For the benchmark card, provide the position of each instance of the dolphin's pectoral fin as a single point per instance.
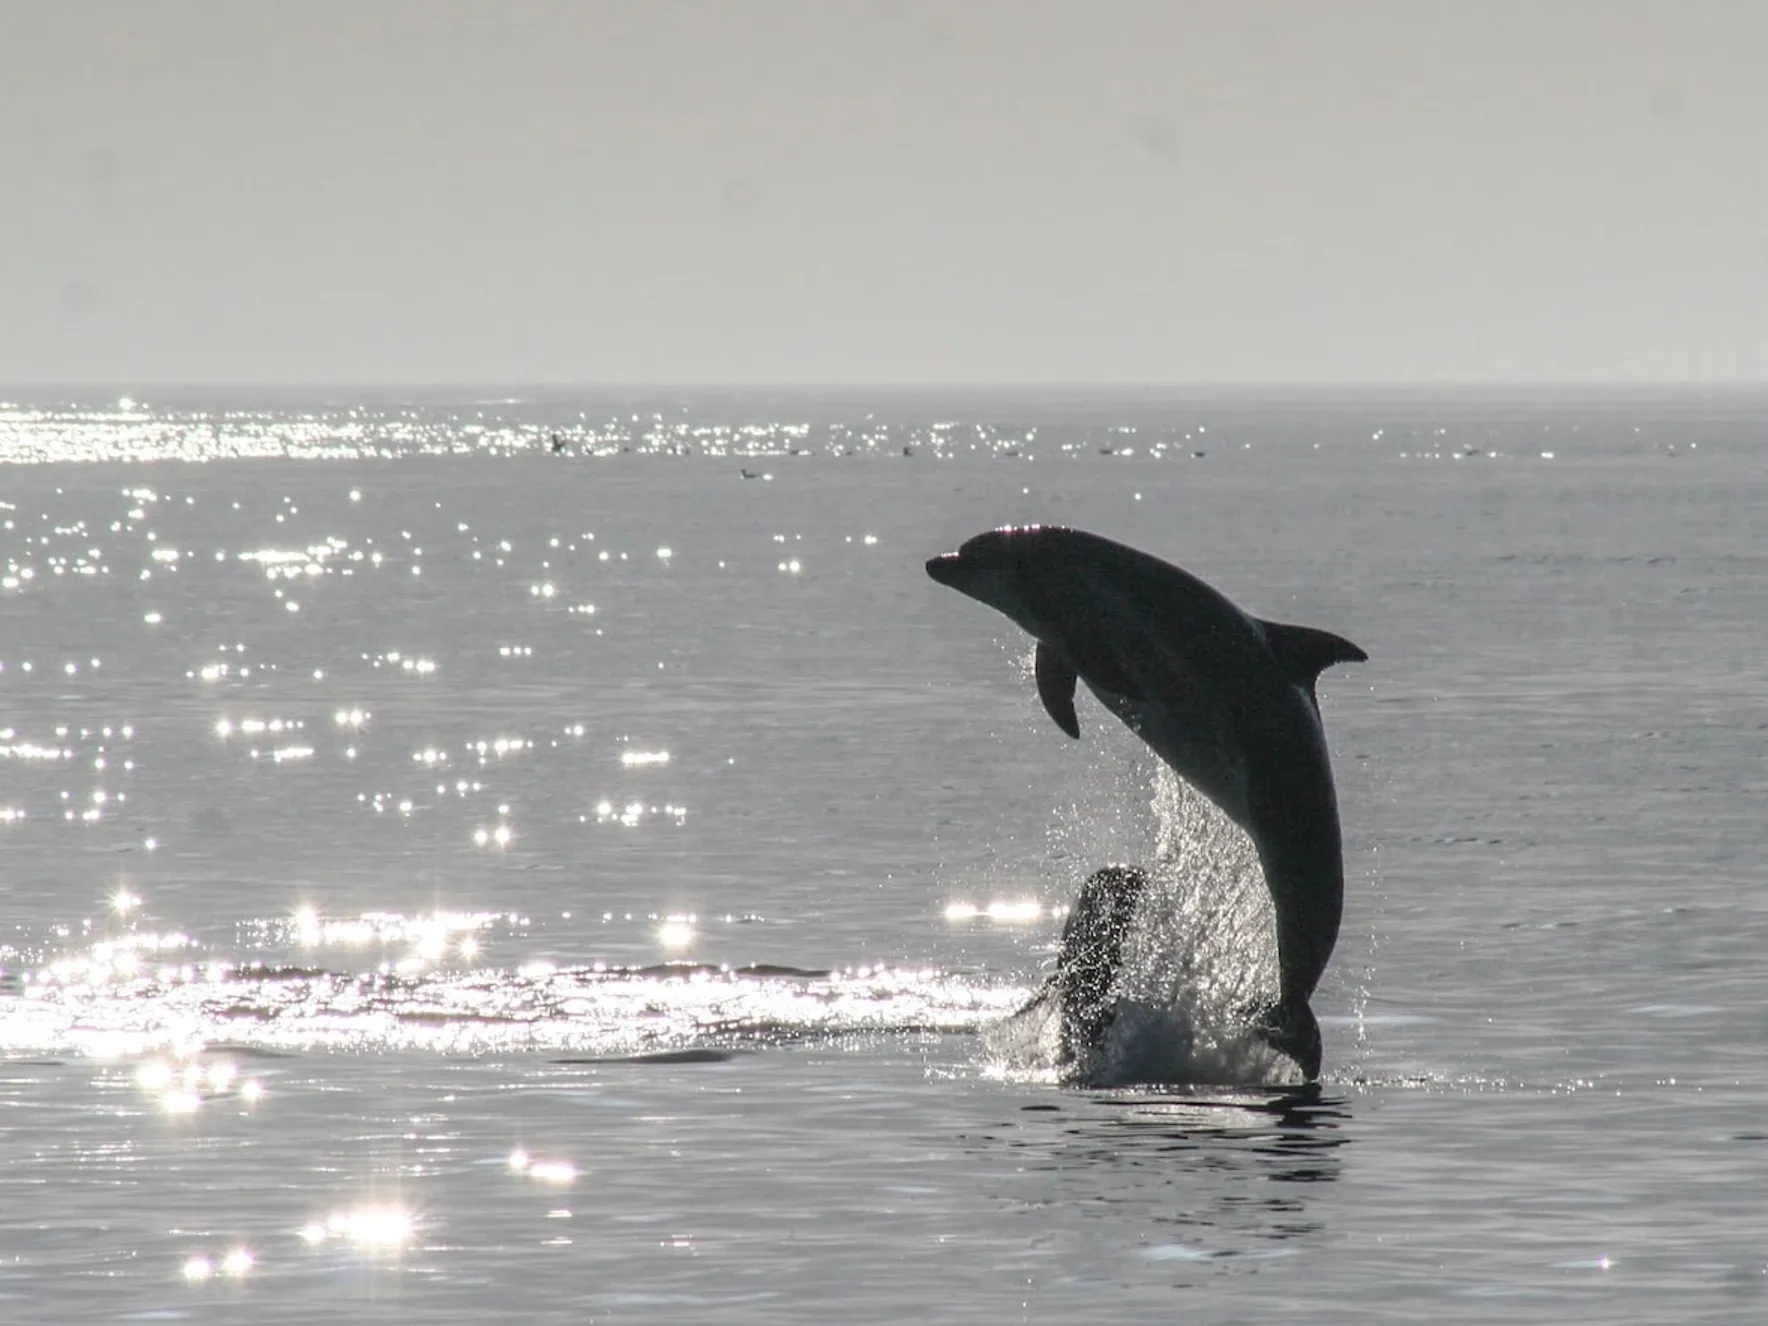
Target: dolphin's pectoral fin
(1055, 687)
(1304, 651)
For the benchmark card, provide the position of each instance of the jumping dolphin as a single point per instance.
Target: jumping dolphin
(1224, 698)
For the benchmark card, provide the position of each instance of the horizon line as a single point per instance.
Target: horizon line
(1236, 385)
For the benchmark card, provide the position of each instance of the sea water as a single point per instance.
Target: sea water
(556, 857)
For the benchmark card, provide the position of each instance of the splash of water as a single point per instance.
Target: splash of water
(1202, 951)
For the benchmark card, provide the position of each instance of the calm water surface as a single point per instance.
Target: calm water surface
(361, 762)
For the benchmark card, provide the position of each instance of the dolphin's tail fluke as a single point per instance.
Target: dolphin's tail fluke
(1290, 1028)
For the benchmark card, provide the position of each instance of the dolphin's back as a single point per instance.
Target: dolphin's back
(1139, 626)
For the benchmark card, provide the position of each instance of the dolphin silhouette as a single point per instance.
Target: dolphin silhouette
(1227, 700)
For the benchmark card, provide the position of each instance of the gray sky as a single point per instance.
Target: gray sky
(883, 191)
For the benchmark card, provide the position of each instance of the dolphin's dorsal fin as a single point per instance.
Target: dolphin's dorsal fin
(1302, 651)
(1055, 687)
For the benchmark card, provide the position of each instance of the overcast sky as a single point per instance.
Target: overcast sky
(883, 191)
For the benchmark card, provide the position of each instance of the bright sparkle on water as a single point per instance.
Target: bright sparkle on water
(367, 1228)
(545, 1171)
(1009, 911)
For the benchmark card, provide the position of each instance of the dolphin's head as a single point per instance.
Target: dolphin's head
(994, 568)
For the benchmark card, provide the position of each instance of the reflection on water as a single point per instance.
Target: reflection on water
(368, 1228)
(120, 998)
(235, 1262)
(545, 1171)
(1198, 1165)
(1299, 1125)
(196, 1074)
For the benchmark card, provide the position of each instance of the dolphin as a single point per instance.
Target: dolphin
(1087, 959)
(1227, 700)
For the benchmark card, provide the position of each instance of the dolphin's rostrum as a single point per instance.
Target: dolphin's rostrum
(1224, 698)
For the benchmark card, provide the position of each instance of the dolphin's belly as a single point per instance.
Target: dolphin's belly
(1189, 736)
